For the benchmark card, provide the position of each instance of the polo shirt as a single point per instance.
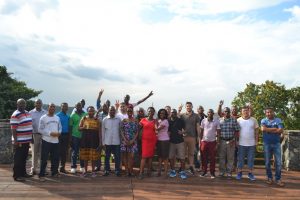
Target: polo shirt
(271, 138)
(22, 123)
(64, 119)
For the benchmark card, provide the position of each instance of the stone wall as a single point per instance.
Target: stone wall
(6, 151)
(291, 150)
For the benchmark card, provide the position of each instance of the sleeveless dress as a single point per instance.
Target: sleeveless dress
(148, 138)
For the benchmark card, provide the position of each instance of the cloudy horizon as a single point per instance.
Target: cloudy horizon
(194, 50)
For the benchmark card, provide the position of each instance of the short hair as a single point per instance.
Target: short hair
(211, 110)
(161, 110)
(269, 108)
(188, 102)
(245, 107)
(64, 103)
(90, 108)
(151, 108)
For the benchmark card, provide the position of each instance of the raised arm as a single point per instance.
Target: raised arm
(220, 107)
(98, 102)
(144, 99)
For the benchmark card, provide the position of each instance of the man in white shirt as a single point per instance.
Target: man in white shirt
(111, 140)
(248, 139)
(36, 115)
(50, 128)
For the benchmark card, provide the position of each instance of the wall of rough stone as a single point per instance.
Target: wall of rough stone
(291, 150)
(6, 151)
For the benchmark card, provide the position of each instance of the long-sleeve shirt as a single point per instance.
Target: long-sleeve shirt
(36, 116)
(111, 131)
(47, 125)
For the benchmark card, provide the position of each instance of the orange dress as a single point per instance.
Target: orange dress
(149, 138)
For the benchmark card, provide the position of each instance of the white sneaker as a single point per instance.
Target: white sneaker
(82, 170)
(73, 170)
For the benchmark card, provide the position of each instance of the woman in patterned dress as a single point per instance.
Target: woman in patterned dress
(90, 141)
(129, 133)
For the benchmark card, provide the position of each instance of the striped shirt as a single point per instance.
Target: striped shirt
(22, 123)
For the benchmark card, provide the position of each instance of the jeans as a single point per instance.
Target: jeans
(75, 151)
(269, 151)
(63, 149)
(53, 149)
(112, 149)
(248, 151)
(20, 156)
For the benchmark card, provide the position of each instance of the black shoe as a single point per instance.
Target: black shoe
(97, 169)
(118, 174)
(27, 176)
(62, 170)
(106, 173)
(19, 179)
(203, 174)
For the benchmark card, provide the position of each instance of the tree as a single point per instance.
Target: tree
(11, 90)
(271, 94)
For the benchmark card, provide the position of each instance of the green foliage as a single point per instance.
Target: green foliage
(10, 91)
(271, 94)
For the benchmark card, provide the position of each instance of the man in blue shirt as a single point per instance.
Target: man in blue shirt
(64, 137)
(272, 128)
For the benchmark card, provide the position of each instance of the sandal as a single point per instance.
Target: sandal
(280, 183)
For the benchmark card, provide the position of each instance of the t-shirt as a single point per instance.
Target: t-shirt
(190, 122)
(210, 129)
(74, 122)
(22, 122)
(162, 134)
(174, 126)
(271, 138)
(247, 131)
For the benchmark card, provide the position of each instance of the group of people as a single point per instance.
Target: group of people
(173, 136)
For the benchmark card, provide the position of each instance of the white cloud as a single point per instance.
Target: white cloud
(215, 59)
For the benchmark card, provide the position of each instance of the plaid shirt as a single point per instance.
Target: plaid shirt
(228, 127)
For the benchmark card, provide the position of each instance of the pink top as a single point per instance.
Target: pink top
(210, 129)
(162, 134)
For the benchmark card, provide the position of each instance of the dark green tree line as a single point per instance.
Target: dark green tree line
(11, 90)
(271, 94)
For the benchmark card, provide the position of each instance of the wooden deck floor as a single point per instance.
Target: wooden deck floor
(72, 186)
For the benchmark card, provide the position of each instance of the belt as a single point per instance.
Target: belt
(227, 139)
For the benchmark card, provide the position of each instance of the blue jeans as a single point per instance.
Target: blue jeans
(248, 151)
(269, 151)
(75, 151)
(112, 149)
(53, 150)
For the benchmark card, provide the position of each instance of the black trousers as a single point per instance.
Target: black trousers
(20, 157)
(53, 150)
(63, 149)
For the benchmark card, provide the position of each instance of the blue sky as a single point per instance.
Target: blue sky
(193, 50)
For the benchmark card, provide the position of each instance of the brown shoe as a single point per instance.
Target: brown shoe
(280, 183)
(269, 181)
